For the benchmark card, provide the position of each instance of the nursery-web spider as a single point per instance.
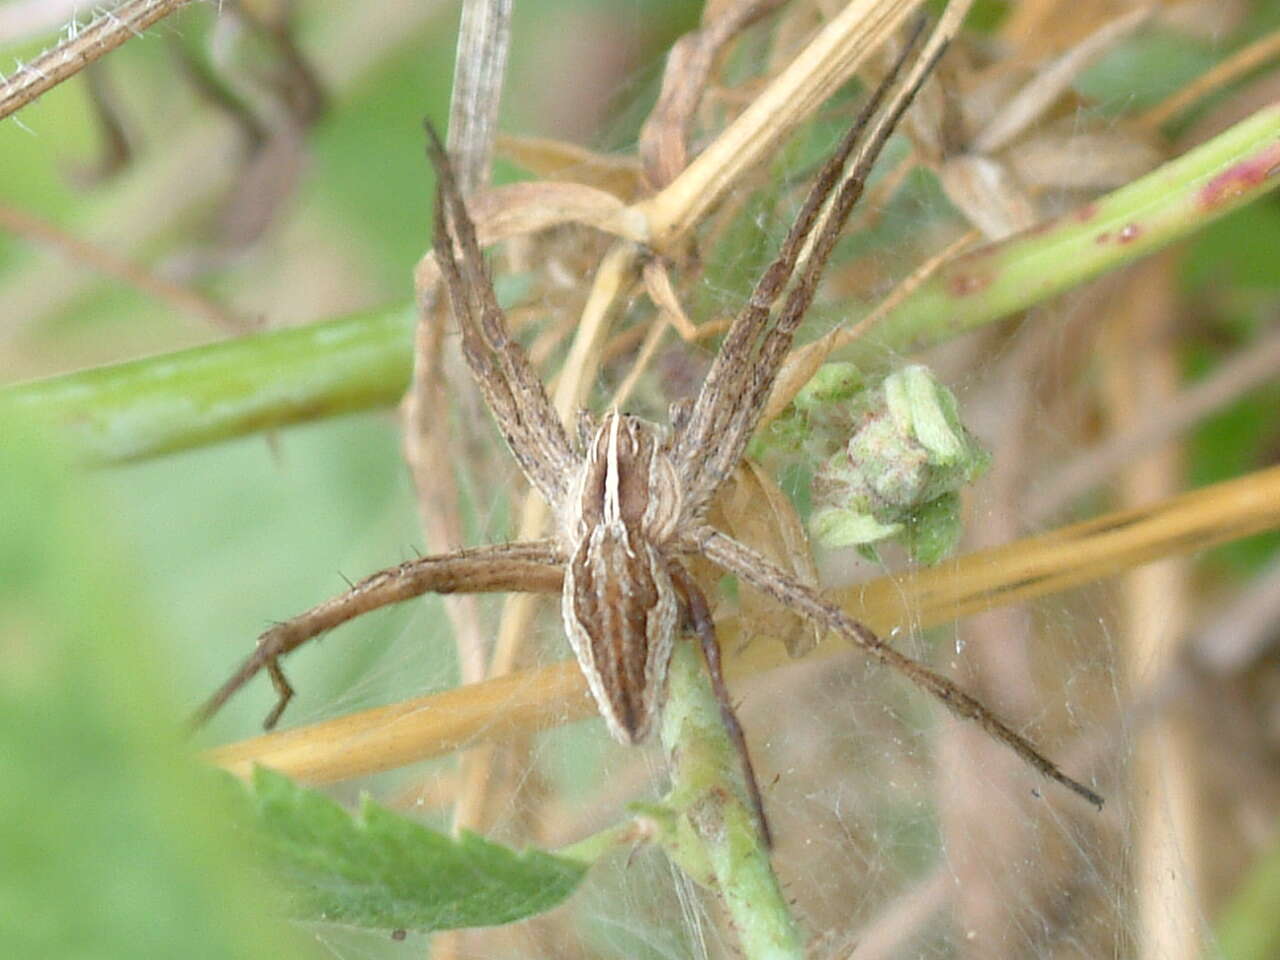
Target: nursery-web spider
(629, 498)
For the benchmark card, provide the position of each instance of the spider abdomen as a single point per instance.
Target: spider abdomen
(619, 608)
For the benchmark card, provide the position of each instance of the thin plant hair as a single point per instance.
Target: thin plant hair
(630, 498)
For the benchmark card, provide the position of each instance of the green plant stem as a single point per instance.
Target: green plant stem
(175, 401)
(1172, 202)
(590, 849)
(715, 833)
(195, 397)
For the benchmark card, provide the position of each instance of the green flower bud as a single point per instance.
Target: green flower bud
(934, 530)
(900, 470)
(836, 382)
(835, 527)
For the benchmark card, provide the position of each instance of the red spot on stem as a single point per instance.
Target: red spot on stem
(1242, 177)
(1086, 213)
(1129, 233)
(1103, 237)
(962, 284)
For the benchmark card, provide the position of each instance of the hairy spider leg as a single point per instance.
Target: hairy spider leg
(519, 402)
(753, 351)
(743, 562)
(533, 567)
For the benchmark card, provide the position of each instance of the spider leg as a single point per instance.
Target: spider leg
(704, 626)
(513, 392)
(728, 407)
(534, 567)
(284, 693)
(745, 563)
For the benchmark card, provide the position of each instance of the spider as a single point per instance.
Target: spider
(629, 498)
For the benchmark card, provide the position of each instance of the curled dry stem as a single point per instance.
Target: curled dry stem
(1053, 562)
(82, 47)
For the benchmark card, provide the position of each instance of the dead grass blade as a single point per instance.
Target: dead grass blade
(390, 737)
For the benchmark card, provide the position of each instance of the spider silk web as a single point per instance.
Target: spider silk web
(901, 832)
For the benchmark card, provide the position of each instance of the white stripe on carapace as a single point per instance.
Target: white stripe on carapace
(612, 480)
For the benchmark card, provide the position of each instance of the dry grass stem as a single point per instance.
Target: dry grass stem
(1030, 103)
(479, 69)
(1220, 75)
(181, 298)
(814, 74)
(389, 737)
(82, 47)
(1251, 367)
(1140, 372)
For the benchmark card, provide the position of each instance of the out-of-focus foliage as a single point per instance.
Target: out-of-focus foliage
(114, 842)
(104, 644)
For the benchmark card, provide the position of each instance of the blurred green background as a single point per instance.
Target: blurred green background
(197, 552)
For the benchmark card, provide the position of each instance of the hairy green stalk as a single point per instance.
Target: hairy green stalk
(714, 834)
(195, 397)
(1172, 202)
(156, 405)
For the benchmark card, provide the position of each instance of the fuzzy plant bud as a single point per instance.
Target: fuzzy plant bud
(899, 474)
(817, 419)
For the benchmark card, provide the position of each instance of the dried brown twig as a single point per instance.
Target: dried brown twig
(1251, 367)
(664, 148)
(181, 298)
(82, 46)
(389, 737)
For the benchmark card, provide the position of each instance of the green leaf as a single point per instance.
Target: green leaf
(112, 846)
(379, 869)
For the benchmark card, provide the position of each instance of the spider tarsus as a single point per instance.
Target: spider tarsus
(283, 690)
(1079, 789)
(740, 560)
(678, 414)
